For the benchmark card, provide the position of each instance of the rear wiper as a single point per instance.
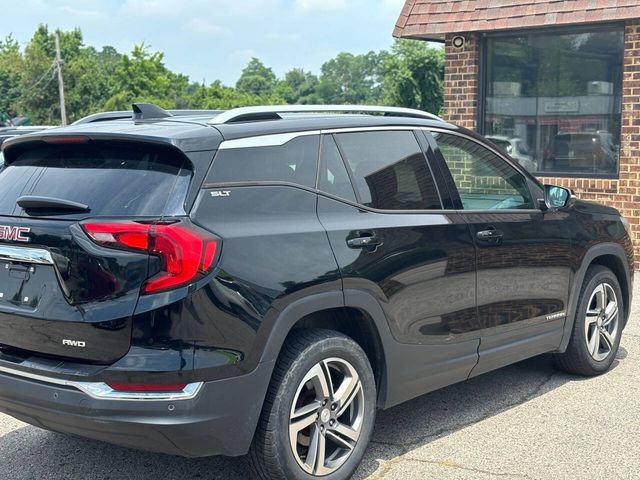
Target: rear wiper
(32, 202)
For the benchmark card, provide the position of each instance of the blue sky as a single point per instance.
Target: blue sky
(214, 39)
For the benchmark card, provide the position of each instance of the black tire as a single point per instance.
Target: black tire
(271, 456)
(577, 359)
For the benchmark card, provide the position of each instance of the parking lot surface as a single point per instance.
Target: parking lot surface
(526, 421)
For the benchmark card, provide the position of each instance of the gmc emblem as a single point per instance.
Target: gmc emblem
(15, 234)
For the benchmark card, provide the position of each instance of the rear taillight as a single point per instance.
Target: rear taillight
(186, 251)
(147, 387)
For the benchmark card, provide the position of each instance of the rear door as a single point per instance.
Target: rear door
(393, 240)
(522, 253)
(60, 293)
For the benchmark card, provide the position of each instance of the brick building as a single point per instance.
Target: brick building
(555, 83)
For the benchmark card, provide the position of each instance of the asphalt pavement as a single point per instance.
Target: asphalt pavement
(526, 421)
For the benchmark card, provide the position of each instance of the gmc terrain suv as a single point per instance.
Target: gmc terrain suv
(262, 280)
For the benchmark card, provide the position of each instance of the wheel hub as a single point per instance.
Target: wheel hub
(325, 415)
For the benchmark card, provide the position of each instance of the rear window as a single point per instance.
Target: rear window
(112, 179)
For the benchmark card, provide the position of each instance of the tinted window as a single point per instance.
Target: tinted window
(334, 178)
(390, 170)
(296, 162)
(484, 180)
(110, 179)
(547, 86)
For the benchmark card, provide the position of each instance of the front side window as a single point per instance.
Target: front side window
(294, 162)
(389, 169)
(484, 180)
(558, 95)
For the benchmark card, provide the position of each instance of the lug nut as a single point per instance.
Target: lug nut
(334, 406)
(332, 423)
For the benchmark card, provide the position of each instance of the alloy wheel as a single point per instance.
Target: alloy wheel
(602, 320)
(326, 416)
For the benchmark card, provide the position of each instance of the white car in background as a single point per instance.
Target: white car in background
(516, 149)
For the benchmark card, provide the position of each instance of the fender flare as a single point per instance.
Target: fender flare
(358, 299)
(594, 252)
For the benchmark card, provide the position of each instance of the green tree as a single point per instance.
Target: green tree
(298, 86)
(97, 80)
(143, 77)
(39, 91)
(412, 76)
(220, 97)
(256, 79)
(350, 78)
(87, 81)
(11, 66)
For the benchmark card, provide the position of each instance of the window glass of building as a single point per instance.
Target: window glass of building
(390, 170)
(484, 180)
(553, 100)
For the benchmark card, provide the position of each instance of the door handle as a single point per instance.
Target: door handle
(364, 240)
(490, 236)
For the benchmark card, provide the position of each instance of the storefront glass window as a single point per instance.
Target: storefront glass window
(553, 100)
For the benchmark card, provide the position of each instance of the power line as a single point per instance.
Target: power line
(37, 82)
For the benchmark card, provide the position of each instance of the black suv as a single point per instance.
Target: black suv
(262, 280)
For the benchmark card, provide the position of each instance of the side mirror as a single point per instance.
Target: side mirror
(557, 197)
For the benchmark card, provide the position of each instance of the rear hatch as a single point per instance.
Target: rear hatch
(62, 293)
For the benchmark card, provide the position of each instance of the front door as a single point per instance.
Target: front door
(392, 239)
(522, 253)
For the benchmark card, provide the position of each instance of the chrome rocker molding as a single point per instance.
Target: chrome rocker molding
(102, 391)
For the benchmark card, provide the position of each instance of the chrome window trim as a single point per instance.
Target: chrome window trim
(102, 391)
(272, 140)
(279, 139)
(25, 255)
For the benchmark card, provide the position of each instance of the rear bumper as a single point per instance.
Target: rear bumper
(219, 420)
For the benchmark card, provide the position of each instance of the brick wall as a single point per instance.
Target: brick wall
(461, 67)
(461, 107)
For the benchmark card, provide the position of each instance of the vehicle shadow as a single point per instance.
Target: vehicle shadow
(29, 452)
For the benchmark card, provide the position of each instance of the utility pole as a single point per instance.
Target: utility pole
(59, 63)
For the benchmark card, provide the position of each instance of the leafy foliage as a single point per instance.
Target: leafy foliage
(410, 74)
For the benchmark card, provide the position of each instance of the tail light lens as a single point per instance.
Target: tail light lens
(186, 252)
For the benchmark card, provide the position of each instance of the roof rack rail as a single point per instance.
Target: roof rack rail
(272, 112)
(127, 114)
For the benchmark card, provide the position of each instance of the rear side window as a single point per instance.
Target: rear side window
(334, 178)
(294, 162)
(390, 170)
(113, 180)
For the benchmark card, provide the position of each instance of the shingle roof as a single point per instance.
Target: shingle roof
(432, 19)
